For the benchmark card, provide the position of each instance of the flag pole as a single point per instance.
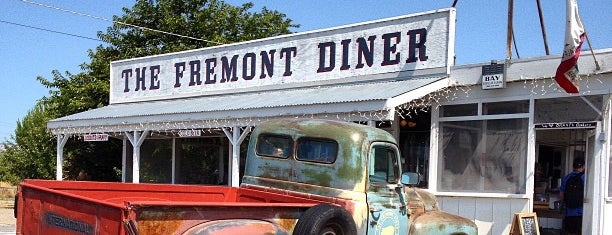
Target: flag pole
(586, 35)
(543, 27)
(509, 34)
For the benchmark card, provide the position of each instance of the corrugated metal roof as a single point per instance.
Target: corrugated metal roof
(319, 95)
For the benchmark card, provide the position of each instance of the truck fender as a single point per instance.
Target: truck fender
(236, 226)
(440, 222)
(325, 219)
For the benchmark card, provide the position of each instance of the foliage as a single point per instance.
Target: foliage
(31, 151)
(213, 21)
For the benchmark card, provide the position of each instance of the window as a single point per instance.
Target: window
(506, 107)
(459, 110)
(383, 166)
(483, 156)
(155, 161)
(201, 160)
(274, 146)
(317, 150)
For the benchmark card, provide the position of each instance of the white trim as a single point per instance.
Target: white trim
(433, 148)
(417, 93)
(529, 171)
(485, 117)
(59, 161)
(124, 160)
(137, 138)
(481, 195)
(235, 139)
(173, 160)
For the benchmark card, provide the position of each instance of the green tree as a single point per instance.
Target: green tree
(210, 22)
(31, 151)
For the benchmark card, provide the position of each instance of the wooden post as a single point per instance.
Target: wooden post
(59, 162)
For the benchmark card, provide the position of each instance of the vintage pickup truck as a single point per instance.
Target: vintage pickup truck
(302, 176)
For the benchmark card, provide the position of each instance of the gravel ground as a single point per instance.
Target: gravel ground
(7, 221)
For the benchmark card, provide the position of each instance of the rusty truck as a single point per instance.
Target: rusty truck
(302, 176)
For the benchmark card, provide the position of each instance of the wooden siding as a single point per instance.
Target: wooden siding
(493, 216)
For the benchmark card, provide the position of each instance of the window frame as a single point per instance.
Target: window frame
(397, 170)
(434, 175)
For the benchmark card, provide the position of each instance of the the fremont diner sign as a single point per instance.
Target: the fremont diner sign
(418, 44)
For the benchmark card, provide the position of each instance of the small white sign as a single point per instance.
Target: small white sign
(492, 81)
(95, 137)
(493, 76)
(190, 133)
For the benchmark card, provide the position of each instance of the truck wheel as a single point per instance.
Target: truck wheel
(325, 219)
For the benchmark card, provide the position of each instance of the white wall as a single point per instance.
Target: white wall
(493, 216)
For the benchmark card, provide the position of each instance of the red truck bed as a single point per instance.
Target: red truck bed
(80, 207)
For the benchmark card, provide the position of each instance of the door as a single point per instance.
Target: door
(593, 194)
(387, 207)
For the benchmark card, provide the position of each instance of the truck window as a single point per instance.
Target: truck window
(383, 165)
(278, 146)
(317, 150)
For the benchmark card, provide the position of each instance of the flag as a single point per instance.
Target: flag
(567, 72)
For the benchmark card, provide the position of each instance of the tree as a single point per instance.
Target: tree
(214, 22)
(31, 151)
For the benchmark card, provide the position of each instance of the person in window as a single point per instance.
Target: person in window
(572, 191)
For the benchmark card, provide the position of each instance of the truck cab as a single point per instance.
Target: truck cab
(356, 166)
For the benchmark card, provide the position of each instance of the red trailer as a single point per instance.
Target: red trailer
(81, 207)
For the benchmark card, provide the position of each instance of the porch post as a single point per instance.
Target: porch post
(61, 141)
(136, 139)
(235, 139)
(124, 160)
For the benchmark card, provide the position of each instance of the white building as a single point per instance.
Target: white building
(486, 153)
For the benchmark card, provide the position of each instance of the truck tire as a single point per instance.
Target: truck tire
(325, 219)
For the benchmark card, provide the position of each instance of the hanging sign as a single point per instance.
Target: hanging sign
(415, 45)
(493, 76)
(566, 125)
(190, 133)
(95, 137)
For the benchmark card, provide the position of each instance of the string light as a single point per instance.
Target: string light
(536, 86)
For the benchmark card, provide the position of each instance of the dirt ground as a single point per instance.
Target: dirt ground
(7, 221)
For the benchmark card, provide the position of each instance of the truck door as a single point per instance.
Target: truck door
(387, 208)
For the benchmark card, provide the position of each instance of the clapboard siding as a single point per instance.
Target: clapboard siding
(493, 216)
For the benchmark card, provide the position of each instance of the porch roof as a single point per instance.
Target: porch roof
(354, 101)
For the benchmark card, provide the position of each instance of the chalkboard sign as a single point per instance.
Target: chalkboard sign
(525, 224)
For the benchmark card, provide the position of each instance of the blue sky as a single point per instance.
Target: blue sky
(26, 53)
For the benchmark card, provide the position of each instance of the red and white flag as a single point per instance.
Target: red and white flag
(567, 72)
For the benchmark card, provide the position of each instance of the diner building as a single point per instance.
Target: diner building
(489, 140)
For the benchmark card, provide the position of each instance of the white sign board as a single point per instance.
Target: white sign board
(189, 133)
(421, 42)
(492, 81)
(493, 76)
(95, 137)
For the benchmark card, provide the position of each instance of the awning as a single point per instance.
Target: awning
(352, 101)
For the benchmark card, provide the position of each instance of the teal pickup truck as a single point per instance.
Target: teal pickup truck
(302, 177)
(357, 170)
